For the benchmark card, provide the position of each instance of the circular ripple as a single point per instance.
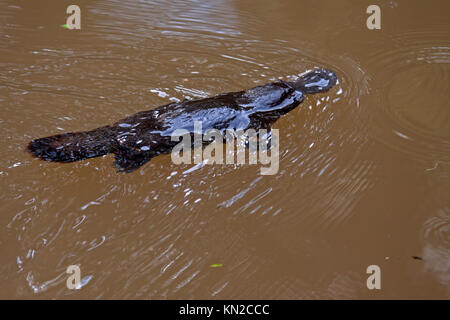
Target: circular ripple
(436, 234)
(418, 98)
(413, 114)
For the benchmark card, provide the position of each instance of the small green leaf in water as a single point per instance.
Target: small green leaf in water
(216, 265)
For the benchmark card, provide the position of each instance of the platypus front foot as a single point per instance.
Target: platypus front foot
(130, 160)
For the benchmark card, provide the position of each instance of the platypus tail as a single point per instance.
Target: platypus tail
(68, 147)
(316, 81)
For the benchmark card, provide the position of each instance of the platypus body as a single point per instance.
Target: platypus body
(138, 138)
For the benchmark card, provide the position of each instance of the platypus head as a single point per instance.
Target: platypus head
(316, 81)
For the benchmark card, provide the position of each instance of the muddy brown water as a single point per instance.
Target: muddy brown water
(364, 168)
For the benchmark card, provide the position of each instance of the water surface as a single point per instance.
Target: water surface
(364, 168)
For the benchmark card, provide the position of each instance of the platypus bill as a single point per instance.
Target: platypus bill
(138, 138)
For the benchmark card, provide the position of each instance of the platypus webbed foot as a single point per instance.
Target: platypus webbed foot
(130, 160)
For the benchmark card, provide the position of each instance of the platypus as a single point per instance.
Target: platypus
(138, 138)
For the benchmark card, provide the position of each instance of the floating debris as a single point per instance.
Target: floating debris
(216, 265)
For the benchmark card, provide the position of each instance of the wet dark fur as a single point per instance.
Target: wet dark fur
(138, 138)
